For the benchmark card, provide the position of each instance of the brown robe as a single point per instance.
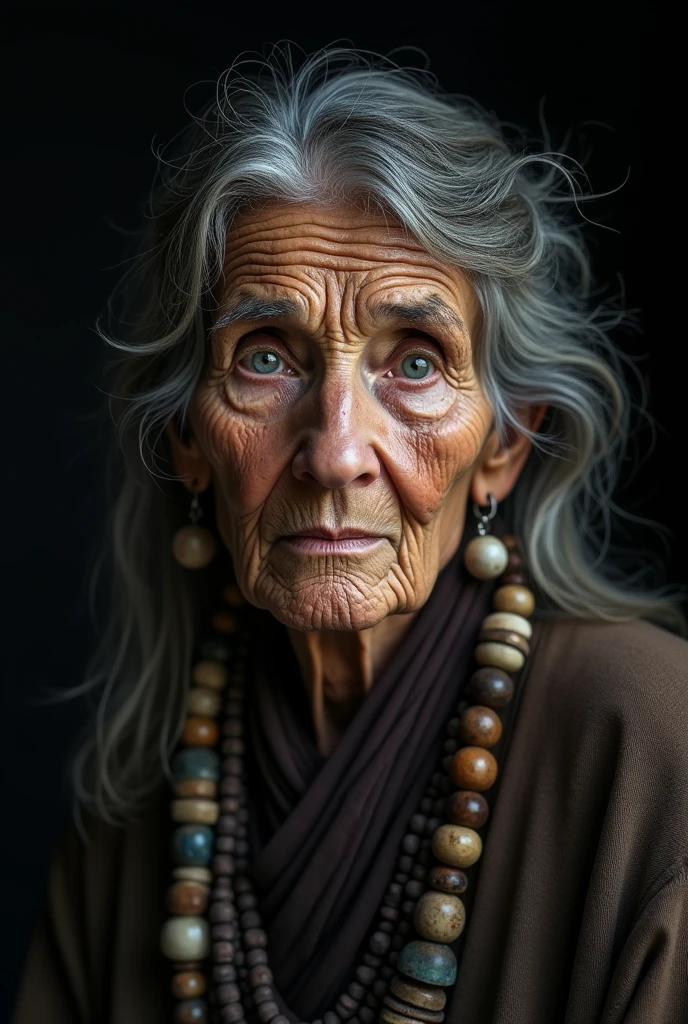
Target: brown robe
(577, 910)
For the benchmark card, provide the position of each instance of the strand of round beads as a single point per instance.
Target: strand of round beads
(427, 965)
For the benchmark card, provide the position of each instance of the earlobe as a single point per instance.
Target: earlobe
(189, 462)
(500, 464)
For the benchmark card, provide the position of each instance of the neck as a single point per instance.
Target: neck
(340, 667)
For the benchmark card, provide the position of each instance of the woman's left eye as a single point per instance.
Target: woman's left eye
(416, 367)
(265, 362)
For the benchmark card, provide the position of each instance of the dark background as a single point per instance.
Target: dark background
(88, 91)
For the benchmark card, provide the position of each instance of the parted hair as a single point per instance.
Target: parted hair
(335, 127)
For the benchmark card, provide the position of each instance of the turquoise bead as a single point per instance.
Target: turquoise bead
(431, 962)
(191, 1011)
(192, 845)
(196, 763)
(215, 649)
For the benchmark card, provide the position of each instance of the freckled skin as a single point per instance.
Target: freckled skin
(338, 435)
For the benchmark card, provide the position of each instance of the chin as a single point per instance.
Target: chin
(331, 604)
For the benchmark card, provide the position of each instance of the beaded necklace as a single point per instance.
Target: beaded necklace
(221, 973)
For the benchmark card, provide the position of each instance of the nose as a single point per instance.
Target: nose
(336, 450)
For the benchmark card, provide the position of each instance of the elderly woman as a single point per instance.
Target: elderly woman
(380, 735)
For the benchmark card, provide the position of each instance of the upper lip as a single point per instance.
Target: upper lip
(324, 533)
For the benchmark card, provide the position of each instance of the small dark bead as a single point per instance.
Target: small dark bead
(415, 889)
(367, 1015)
(446, 761)
(227, 825)
(511, 578)
(410, 843)
(372, 1001)
(229, 805)
(447, 879)
(405, 863)
(260, 975)
(224, 932)
(426, 805)
(267, 1012)
(234, 747)
(432, 825)
(388, 972)
(356, 991)
(418, 872)
(230, 786)
(438, 807)
(242, 815)
(447, 785)
(239, 958)
(389, 913)
(233, 704)
(243, 884)
(330, 1018)
(450, 746)
(371, 960)
(223, 973)
(228, 993)
(408, 907)
(437, 778)
(417, 824)
(380, 988)
(453, 727)
(379, 943)
(515, 562)
(232, 1014)
(346, 1006)
(234, 728)
(404, 927)
(394, 889)
(398, 942)
(401, 877)
(232, 765)
(219, 913)
(224, 844)
(224, 952)
(251, 919)
(467, 808)
(386, 926)
(242, 848)
(256, 956)
(247, 901)
(262, 994)
(255, 938)
(223, 864)
(365, 975)
(280, 1019)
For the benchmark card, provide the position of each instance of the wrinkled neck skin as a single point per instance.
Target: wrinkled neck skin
(339, 668)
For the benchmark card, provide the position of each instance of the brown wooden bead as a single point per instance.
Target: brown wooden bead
(267, 1012)
(418, 1014)
(467, 808)
(480, 726)
(418, 994)
(202, 700)
(505, 636)
(439, 917)
(447, 879)
(510, 542)
(187, 984)
(200, 732)
(224, 622)
(473, 768)
(188, 898)
(514, 579)
(210, 673)
(491, 687)
(255, 938)
(514, 563)
(229, 992)
(196, 787)
(512, 598)
(453, 844)
(260, 975)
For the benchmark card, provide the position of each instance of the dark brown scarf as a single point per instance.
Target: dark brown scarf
(326, 831)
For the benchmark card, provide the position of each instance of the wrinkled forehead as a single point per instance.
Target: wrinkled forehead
(298, 256)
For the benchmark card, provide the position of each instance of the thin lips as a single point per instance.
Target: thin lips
(324, 534)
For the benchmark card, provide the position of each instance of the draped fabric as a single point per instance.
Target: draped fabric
(327, 831)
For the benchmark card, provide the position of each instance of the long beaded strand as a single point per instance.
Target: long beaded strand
(401, 977)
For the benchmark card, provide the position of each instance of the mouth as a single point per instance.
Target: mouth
(322, 541)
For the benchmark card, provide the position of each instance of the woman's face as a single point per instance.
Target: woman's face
(339, 414)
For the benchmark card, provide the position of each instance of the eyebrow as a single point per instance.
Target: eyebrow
(429, 313)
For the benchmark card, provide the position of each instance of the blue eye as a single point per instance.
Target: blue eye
(416, 367)
(265, 362)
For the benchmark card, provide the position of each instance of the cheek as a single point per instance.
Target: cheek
(426, 461)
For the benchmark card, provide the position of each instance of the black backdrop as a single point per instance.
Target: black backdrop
(88, 91)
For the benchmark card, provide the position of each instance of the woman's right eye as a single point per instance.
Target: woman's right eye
(265, 362)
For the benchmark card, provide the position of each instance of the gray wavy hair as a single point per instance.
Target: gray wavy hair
(347, 126)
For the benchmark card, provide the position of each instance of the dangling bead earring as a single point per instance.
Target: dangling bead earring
(485, 557)
(194, 546)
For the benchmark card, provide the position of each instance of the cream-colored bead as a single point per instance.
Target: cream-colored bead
(507, 620)
(185, 938)
(439, 917)
(210, 673)
(191, 874)
(205, 812)
(514, 597)
(193, 546)
(485, 557)
(498, 655)
(202, 701)
(457, 845)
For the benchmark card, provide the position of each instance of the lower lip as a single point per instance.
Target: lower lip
(323, 546)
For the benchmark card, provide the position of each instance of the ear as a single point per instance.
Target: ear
(188, 459)
(499, 465)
